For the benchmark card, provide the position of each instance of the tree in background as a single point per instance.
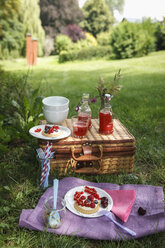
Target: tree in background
(55, 15)
(32, 22)
(17, 18)
(98, 17)
(9, 8)
(74, 32)
(11, 29)
(115, 5)
(160, 35)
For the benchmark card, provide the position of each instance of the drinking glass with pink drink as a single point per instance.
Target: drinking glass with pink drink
(80, 127)
(85, 117)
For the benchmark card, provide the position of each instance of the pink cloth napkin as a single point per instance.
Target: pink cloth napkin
(123, 201)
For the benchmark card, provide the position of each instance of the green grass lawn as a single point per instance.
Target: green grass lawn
(140, 106)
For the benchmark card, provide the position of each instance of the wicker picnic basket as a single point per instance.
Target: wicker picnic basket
(95, 154)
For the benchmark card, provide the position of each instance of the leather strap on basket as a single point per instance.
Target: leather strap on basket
(86, 163)
(87, 153)
(87, 149)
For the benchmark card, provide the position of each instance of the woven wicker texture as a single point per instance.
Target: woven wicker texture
(118, 150)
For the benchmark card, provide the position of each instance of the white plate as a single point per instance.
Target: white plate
(70, 201)
(65, 132)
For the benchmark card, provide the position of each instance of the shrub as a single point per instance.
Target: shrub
(131, 39)
(104, 51)
(88, 42)
(80, 44)
(160, 36)
(67, 56)
(85, 53)
(90, 39)
(156, 29)
(63, 43)
(103, 39)
(145, 43)
(74, 32)
(20, 108)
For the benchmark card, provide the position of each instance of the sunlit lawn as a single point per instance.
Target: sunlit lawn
(140, 106)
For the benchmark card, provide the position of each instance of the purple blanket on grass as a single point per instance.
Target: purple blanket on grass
(148, 197)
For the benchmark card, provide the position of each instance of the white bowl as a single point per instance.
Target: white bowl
(55, 103)
(55, 117)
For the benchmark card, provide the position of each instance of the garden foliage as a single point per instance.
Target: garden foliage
(97, 17)
(160, 35)
(17, 18)
(20, 108)
(56, 15)
(85, 53)
(32, 22)
(103, 38)
(11, 29)
(89, 41)
(74, 32)
(63, 43)
(126, 40)
(62, 20)
(132, 40)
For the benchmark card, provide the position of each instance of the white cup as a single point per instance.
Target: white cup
(55, 103)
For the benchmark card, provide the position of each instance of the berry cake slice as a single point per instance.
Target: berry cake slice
(51, 131)
(87, 201)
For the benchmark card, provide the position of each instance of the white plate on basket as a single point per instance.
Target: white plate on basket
(70, 201)
(65, 132)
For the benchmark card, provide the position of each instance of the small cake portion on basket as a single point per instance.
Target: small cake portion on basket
(87, 201)
(52, 131)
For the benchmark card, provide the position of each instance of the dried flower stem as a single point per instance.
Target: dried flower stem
(112, 88)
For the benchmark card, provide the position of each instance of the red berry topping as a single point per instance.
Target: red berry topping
(56, 127)
(38, 130)
(82, 197)
(50, 131)
(91, 197)
(92, 205)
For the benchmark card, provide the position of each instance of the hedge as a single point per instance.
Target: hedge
(85, 53)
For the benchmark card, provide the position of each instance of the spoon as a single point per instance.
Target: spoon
(54, 217)
(109, 215)
(55, 193)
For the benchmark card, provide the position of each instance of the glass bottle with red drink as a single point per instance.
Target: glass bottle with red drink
(106, 116)
(85, 110)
